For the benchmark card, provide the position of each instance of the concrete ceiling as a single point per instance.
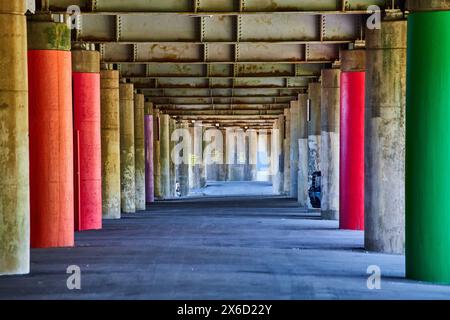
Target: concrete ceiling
(211, 57)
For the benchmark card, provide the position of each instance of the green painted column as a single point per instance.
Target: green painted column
(428, 143)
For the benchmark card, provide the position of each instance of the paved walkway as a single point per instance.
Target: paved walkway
(216, 248)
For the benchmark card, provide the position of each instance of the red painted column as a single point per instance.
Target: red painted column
(87, 142)
(51, 135)
(352, 140)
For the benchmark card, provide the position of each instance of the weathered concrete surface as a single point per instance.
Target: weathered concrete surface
(164, 158)
(264, 174)
(127, 149)
(183, 167)
(139, 146)
(85, 61)
(214, 153)
(293, 154)
(385, 138)
(287, 152)
(235, 145)
(173, 171)
(303, 198)
(14, 159)
(237, 248)
(275, 157)
(157, 152)
(252, 156)
(110, 122)
(329, 151)
(278, 148)
(223, 168)
(314, 130)
(269, 154)
(428, 5)
(191, 156)
(198, 165)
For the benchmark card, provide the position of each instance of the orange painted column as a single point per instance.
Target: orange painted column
(51, 135)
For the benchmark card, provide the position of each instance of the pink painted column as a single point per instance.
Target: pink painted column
(149, 168)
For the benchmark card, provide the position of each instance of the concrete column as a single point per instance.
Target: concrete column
(14, 162)
(252, 171)
(51, 169)
(198, 156)
(191, 160)
(164, 158)
(269, 155)
(127, 148)
(230, 153)
(87, 130)
(247, 154)
(385, 138)
(235, 154)
(183, 166)
(329, 151)
(157, 152)
(110, 130)
(149, 164)
(263, 159)
(294, 132)
(275, 158)
(139, 147)
(314, 135)
(173, 176)
(214, 152)
(223, 168)
(303, 197)
(287, 152)
(278, 155)
(428, 142)
(351, 193)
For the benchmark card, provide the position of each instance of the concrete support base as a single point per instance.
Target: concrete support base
(127, 155)
(303, 198)
(110, 122)
(164, 159)
(14, 160)
(139, 145)
(329, 152)
(385, 138)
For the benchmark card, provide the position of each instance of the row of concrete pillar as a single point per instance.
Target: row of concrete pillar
(364, 149)
(73, 147)
(208, 154)
(51, 157)
(350, 127)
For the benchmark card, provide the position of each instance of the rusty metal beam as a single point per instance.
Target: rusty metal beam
(208, 7)
(216, 114)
